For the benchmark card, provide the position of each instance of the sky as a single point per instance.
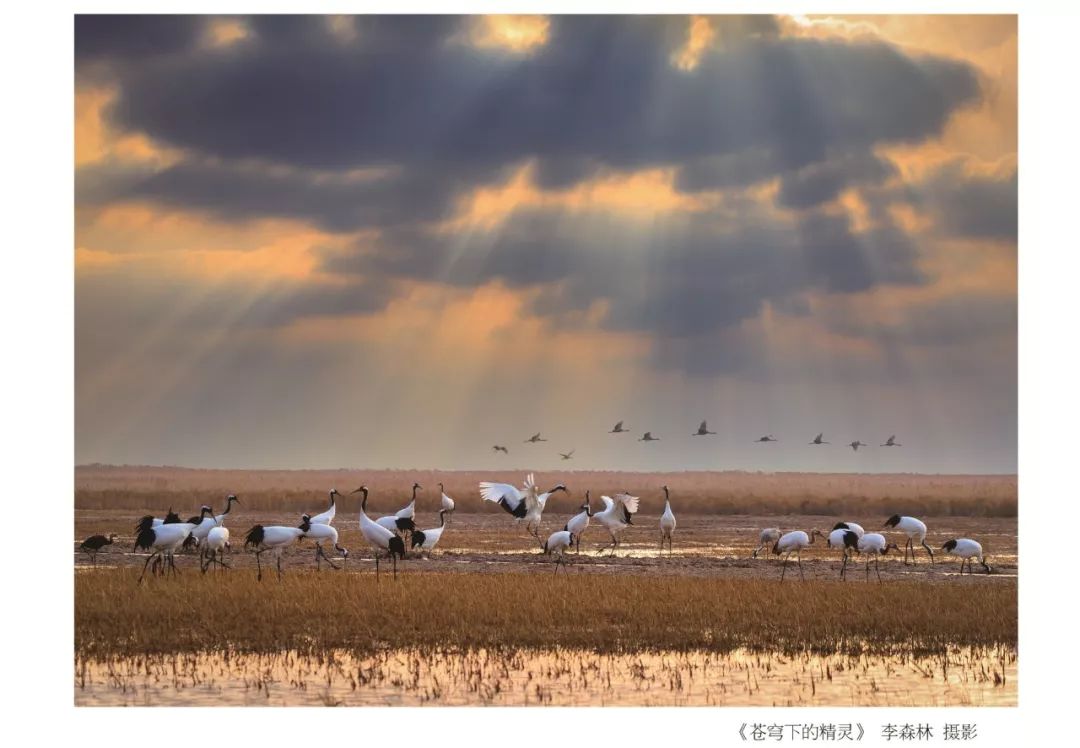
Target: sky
(389, 241)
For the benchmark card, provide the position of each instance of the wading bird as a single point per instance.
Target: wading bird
(667, 522)
(819, 439)
(702, 430)
(320, 533)
(499, 448)
(618, 429)
(648, 437)
(95, 543)
(231, 499)
(567, 455)
(915, 530)
(856, 444)
(524, 503)
(447, 503)
(556, 545)
(217, 541)
(327, 517)
(891, 442)
(857, 529)
(403, 520)
(837, 539)
(162, 542)
(766, 438)
(577, 524)
(379, 537)
(203, 523)
(768, 537)
(968, 550)
(171, 518)
(873, 546)
(616, 516)
(273, 538)
(794, 542)
(426, 540)
(535, 438)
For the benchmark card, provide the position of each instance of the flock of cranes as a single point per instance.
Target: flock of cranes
(702, 430)
(387, 535)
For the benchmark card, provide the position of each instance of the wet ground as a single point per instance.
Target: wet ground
(704, 545)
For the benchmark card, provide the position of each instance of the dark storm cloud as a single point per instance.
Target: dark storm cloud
(691, 278)
(971, 206)
(601, 88)
(822, 182)
(133, 38)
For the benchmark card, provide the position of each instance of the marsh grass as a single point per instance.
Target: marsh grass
(310, 613)
(730, 492)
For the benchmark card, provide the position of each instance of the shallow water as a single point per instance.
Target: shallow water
(964, 676)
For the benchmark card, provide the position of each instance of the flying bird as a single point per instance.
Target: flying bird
(702, 430)
(535, 438)
(767, 438)
(856, 444)
(618, 429)
(567, 455)
(891, 442)
(648, 437)
(818, 439)
(499, 448)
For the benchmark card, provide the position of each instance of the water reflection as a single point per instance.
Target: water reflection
(963, 676)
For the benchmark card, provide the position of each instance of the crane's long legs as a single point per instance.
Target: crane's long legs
(319, 552)
(877, 567)
(393, 557)
(798, 557)
(280, 573)
(928, 550)
(148, 558)
(376, 566)
(258, 564)
(783, 569)
(843, 565)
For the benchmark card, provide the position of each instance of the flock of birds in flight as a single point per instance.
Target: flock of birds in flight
(703, 430)
(387, 535)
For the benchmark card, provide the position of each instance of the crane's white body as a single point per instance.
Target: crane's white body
(556, 545)
(616, 514)
(524, 503)
(275, 538)
(428, 539)
(768, 537)
(793, 542)
(872, 545)
(579, 523)
(836, 538)
(447, 503)
(388, 522)
(967, 550)
(322, 534)
(857, 529)
(379, 537)
(327, 517)
(164, 541)
(217, 540)
(915, 530)
(667, 520)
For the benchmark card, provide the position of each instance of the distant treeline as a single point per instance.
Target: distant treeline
(730, 492)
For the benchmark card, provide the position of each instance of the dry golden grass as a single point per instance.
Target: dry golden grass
(733, 492)
(308, 612)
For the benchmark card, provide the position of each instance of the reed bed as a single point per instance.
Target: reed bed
(732, 492)
(310, 613)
